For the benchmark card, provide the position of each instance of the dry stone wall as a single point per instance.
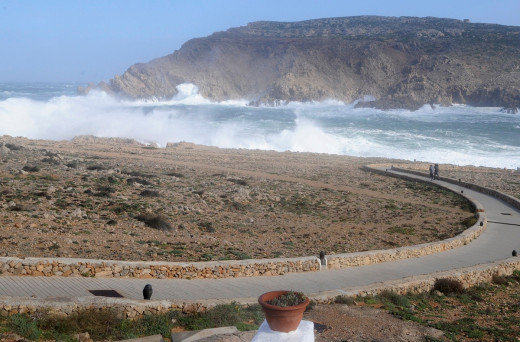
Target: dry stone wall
(159, 270)
(133, 309)
(491, 192)
(469, 276)
(67, 267)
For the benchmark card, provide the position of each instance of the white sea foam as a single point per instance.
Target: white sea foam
(458, 135)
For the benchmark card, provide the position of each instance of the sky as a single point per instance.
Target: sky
(91, 41)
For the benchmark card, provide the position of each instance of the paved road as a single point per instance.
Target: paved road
(496, 243)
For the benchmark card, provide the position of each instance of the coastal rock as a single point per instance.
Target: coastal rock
(402, 62)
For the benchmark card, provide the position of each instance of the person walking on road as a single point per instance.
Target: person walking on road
(436, 171)
(431, 172)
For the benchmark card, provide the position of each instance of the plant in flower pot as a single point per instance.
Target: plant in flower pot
(283, 309)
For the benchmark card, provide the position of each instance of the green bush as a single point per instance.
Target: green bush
(394, 299)
(24, 326)
(224, 315)
(153, 325)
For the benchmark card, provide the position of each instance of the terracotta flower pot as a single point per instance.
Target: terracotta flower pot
(283, 319)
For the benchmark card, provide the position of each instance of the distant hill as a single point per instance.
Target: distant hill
(403, 62)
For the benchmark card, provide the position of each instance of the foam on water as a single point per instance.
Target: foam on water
(458, 135)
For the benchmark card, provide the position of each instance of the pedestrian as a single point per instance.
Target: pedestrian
(431, 172)
(436, 171)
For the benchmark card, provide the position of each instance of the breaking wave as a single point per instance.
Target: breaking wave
(457, 135)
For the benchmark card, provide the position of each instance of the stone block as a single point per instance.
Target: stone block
(103, 274)
(192, 336)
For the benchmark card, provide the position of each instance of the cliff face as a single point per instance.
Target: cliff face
(403, 62)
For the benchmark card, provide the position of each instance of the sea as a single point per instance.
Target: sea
(459, 135)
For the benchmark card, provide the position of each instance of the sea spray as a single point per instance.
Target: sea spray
(457, 135)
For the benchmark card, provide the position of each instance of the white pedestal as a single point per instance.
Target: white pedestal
(304, 333)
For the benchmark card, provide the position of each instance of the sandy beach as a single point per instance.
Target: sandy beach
(121, 200)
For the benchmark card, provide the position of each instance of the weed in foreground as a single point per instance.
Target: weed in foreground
(391, 299)
(344, 300)
(244, 318)
(24, 326)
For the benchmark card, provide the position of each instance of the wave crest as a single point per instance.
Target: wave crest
(454, 135)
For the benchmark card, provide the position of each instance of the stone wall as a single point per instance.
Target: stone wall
(125, 308)
(469, 276)
(67, 267)
(132, 309)
(372, 257)
(514, 202)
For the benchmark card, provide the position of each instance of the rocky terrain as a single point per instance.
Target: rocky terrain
(118, 199)
(401, 62)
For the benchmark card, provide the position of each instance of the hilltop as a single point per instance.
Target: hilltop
(402, 62)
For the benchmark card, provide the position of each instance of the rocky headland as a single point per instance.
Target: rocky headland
(401, 62)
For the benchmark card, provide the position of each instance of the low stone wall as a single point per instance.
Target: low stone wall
(469, 276)
(372, 257)
(66, 267)
(514, 202)
(63, 307)
(132, 309)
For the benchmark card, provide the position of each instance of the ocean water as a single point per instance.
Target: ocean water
(457, 135)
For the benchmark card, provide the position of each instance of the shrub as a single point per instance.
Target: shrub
(100, 324)
(207, 226)
(469, 221)
(500, 279)
(73, 164)
(155, 221)
(240, 255)
(175, 174)
(138, 174)
(13, 147)
(244, 318)
(149, 193)
(237, 181)
(344, 300)
(154, 324)
(394, 298)
(105, 191)
(25, 326)
(96, 167)
(448, 286)
(28, 168)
